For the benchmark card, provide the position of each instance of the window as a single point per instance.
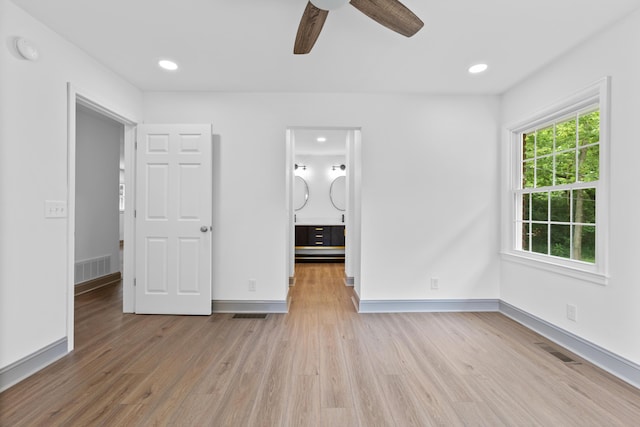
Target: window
(558, 189)
(560, 172)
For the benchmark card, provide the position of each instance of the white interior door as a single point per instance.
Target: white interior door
(173, 219)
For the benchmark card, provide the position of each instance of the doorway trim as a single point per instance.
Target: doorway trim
(77, 96)
(353, 195)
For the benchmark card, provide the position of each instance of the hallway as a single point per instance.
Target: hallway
(322, 364)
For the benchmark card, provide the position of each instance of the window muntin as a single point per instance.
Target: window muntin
(559, 177)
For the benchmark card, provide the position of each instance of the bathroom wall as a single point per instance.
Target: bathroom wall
(319, 175)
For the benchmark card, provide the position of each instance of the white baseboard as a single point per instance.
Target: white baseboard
(224, 306)
(97, 283)
(622, 368)
(355, 299)
(426, 306)
(31, 364)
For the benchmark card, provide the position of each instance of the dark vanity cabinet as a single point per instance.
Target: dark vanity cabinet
(316, 243)
(319, 235)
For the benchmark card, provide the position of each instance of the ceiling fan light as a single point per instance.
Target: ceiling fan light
(329, 4)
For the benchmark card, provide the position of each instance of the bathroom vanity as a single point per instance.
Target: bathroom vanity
(320, 243)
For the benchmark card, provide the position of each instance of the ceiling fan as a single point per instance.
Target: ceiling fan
(390, 13)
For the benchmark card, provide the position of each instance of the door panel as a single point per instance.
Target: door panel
(156, 262)
(188, 265)
(157, 191)
(189, 208)
(173, 219)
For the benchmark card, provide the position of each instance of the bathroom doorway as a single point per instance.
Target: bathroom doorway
(323, 198)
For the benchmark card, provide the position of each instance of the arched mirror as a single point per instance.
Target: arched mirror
(337, 193)
(300, 193)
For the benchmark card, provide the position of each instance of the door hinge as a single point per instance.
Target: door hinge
(135, 145)
(135, 213)
(134, 282)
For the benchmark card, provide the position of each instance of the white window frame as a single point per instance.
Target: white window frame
(599, 94)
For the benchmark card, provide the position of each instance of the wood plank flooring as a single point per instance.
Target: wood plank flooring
(320, 365)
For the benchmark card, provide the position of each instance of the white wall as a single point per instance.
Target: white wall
(608, 316)
(33, 168)
(97, 222)
(429, 188)
(319, 176)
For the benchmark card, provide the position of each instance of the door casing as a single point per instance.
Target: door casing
(354, 200)
(79, 96)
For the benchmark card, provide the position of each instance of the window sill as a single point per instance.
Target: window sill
(556, 266)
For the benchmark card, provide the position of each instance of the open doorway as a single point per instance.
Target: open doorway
(323, 194)
(97, 260)
(91, 122)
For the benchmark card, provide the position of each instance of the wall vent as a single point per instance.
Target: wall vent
(90, 269)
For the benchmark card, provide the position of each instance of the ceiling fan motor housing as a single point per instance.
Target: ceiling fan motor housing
(329, 4)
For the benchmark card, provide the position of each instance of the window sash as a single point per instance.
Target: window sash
(528, 220)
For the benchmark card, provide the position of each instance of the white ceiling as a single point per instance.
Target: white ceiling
(247, 45)
(306, 141)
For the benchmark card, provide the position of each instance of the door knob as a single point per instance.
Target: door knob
(204, 228)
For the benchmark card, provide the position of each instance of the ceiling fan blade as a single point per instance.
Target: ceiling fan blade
(390, 13)
(309, 28)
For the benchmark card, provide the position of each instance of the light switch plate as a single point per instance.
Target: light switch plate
(55, 209)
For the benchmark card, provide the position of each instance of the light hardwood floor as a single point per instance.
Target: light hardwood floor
(321, 365)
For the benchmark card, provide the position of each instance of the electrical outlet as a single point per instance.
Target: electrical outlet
(252, 285)
(572, 312)
(434, 283)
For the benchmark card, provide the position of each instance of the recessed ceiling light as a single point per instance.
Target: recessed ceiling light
(167, 65)
(478, 68)
(321, 139)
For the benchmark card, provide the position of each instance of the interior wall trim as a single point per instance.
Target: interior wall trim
(616, 365)
(349, 280)
(29, 365)
(97, 283)
(227, 306)
(355, 299)
(425, 306)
